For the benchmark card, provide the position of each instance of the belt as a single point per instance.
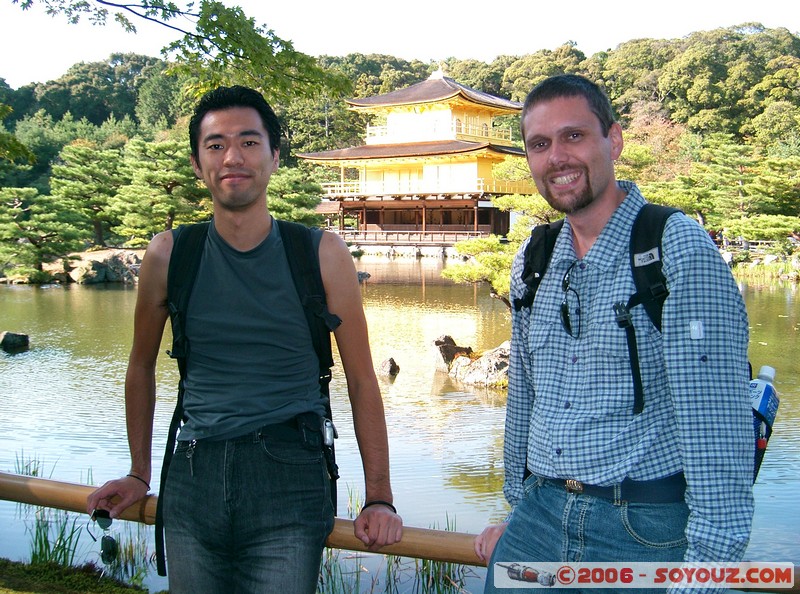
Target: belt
(285, 430)
(669, 489)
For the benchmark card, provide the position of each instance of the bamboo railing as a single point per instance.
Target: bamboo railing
(437, 545)
(420, 543)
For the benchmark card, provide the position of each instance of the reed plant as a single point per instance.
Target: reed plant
(341, 573)
(439, 577)
(764, 273)
(55, 537)
(360, 573)
(133, 561)
(27, 466)
(55, 534)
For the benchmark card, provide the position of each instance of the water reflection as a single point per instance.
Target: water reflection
(62, 401)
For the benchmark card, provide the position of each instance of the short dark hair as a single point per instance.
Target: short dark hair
(235, 96)
(571, 85)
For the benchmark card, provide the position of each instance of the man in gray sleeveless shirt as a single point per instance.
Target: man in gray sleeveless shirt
(247, 503)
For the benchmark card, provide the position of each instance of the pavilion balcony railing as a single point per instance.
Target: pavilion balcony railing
(455, 130)
(435, 237)
(411, 188)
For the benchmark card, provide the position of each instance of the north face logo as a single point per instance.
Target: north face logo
(646, 258)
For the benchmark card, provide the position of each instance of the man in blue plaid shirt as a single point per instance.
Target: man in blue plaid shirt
(588, 478)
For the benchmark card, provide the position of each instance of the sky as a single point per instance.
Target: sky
(35, 47)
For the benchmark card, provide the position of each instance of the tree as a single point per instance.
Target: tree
(96, 90)
(291, 196)
(630, 73)
(778, 182)
(489, 259)
(721, 79)
(158, 100)
(162, 192)
(478, 75)
(763, 227)
(654, 146)
(12, 149)
(21, 101)
(777, 128)
(693, 82)
(319, 124)
(45, 137)
(85, 180)
(728, 172)
(375, 74)
(224, 46)
(522, 75)
(36, 229)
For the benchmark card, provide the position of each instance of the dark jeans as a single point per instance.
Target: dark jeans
(246, 515)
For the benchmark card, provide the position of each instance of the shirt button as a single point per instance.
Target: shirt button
(558, 451)
(567, 405)
(574, 358)
(703, 358)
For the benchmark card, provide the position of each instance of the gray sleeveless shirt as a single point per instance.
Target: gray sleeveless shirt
(251, 360)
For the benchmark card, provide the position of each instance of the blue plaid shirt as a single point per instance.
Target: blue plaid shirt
(570, 400)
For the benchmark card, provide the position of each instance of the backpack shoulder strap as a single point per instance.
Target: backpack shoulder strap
(536, 258)
(187, 249)
(646, 260)
(304, 264)
(184, 261)
(303, 256)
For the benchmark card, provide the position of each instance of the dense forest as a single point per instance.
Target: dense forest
(99, 157)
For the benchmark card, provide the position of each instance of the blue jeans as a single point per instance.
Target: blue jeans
(246, 515)
(552, 525)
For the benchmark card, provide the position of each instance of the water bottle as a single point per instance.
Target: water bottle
(764, 399)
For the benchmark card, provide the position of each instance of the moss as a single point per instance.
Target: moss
(55, 579)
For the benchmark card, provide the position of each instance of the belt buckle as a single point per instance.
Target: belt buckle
(573, 486)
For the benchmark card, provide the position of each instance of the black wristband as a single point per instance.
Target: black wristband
(138, 478)
(379, 502)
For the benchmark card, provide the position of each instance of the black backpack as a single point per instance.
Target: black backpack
(304, 265)
(651, 286)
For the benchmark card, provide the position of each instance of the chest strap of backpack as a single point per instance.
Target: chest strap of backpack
(651, 287)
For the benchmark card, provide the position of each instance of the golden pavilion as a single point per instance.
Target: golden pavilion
(426, 175)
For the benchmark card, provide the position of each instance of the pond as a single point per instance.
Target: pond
(61, 403)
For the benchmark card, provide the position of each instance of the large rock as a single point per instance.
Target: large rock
(11, 342)
(119, 266)
(490, 369)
